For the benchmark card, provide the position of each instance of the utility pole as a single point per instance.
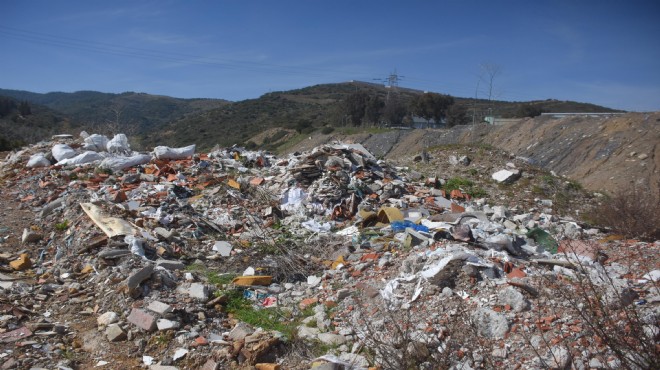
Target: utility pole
(474, 107)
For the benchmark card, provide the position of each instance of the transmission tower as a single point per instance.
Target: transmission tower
(391, 82)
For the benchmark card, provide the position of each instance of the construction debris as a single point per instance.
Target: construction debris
(164, 260)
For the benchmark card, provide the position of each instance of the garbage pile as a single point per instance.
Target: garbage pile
(152, 260)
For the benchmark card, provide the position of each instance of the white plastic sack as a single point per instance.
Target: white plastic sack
(292, 199)
(317, 227)
(164, 152)
(86, 157)
(121, 163)
(118, 144)
(63, 151)
(96, 142)
(38, 160)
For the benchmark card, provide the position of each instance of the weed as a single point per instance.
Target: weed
(457, 183)
(212, 277)
(466, 186)
(62, 226)
(265, 318)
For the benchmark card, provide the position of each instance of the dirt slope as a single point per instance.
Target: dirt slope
(604, 154)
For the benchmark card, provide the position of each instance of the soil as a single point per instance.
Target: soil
(605, 154)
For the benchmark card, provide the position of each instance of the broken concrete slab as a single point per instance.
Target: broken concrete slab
(507, 176)
(137, 277)
(159, 307)
(142, 319)
(115, 333)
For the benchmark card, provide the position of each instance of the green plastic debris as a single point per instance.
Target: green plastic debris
(543, 239)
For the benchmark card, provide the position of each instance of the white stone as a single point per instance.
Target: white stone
(164, 324)
(313, 280)
(490, 324)
(179, 353)
(159, 307)
(332, 339)
(107, 319)
(503, 176)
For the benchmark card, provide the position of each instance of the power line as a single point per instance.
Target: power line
(392, 80)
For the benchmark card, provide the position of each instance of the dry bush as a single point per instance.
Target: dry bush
(606, 308)
(631, 212)
(393, 339)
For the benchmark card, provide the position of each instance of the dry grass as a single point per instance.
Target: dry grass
(632, 212)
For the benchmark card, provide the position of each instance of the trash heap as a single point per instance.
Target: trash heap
(162, 260)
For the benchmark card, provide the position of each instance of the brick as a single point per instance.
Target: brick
(23, 262)
(142, 319)
(307, 302)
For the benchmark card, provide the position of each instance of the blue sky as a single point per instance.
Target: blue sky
(603, 52)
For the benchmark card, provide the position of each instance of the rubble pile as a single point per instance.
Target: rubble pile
(328, 259)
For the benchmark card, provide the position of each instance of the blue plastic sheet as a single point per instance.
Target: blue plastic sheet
(399, 226)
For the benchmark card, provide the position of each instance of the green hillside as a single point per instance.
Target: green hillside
(132, 112)
(161, 120)
(23, 122)
(320, 106)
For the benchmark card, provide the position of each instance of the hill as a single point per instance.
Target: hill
(161, 120)
(22, 123)
(305, 110)
(134, 113)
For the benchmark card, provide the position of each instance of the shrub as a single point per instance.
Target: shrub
(632, 213)
(326, 130)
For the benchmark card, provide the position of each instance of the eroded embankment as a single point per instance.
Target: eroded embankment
(603, 153)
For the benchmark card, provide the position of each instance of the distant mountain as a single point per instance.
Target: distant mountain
(134, 113)
(161, 120)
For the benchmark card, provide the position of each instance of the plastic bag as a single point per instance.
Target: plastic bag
(38, 160)
(62, 151)
(135, 244)
(118, 144)
(399, 226)
(86, 157)
(164, 152)
(292, 199)
(96, 142)
(120, 163)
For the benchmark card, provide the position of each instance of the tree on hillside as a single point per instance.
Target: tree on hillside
(373, 110)
(394, 111)
(431, 106)
(529, 110)
(354, 107)
(24, 108)
(7, 106)
(457, 115)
